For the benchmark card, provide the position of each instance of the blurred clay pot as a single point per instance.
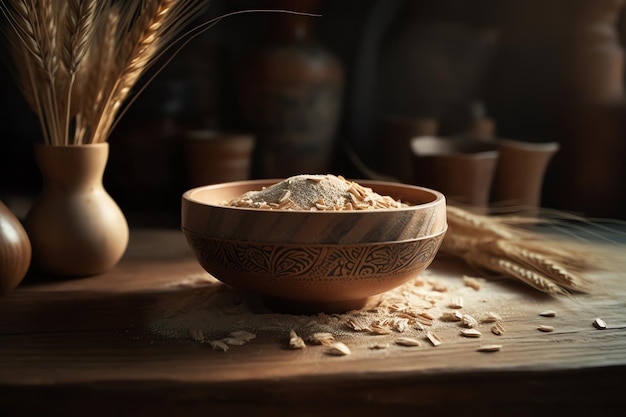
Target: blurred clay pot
(213, 157)
(520, 171)
(461, 169)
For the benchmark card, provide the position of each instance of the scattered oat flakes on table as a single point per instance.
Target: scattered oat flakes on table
(407, 341)
(497, 329)
(322, 338)
(456, 302)
(545, 328)
(489, 348)
(433, 338)
(451, 316)
(469, 321)
(491, 317)
(379, 346)
(599, 324)
(338, 349)
(470, 333)
(295, 341)
(471, 282)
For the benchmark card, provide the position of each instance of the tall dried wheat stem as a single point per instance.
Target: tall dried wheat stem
(66, 50)
(136, 51)
(27, 46)
(79, 62)
(78, 35)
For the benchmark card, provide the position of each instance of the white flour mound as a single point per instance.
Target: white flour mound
(315, 192)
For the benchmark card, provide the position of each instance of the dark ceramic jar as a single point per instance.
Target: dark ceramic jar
(290, 93)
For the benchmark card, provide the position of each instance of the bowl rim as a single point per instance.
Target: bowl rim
(439, 197)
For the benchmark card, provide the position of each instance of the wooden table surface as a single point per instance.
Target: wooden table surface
(121, 343)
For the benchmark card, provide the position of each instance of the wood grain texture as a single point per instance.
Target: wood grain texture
(89, 346)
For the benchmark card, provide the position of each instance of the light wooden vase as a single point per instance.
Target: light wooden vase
(15, 250)
(75, 227)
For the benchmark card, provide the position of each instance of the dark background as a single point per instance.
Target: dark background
(543, 71)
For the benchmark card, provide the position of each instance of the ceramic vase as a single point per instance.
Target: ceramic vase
(15, 250)
(290, 93)
(75, 227)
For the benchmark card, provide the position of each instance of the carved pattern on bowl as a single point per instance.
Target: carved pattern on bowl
(317, 262)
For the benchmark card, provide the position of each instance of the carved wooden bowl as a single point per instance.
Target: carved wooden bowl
(314, 261)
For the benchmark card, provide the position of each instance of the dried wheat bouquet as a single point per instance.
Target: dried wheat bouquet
(502, 246)
(78, 62)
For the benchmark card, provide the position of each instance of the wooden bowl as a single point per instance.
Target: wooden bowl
(314, 261)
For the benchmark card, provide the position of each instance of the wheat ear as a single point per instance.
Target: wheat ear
(137, 50)
(538, 262)
(467, 222)
(505, 267)
(28, 45)
(80, 26)
(547, 264)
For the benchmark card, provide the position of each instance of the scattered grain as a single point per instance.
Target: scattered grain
(426, 315)
(472, 282)
(433, 338)
(421, 319)
(285, 196)
(438, 286)
(243, 335)
(218, 345)
(379, 346)
(489, 348)
(407, 341)
(451, 316)
(548, 313)
(197, 335)
(295, 341)
(358, 324)
(545, 328)
(337, 349)
(233, 341)
(377, 328)
(399, 324)
(497, 329)
(599, 324)
(469, 321)
(490, 317)
(470, 333)
(456, 302)
(322, 338)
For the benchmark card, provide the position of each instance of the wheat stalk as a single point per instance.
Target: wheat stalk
(78, 35)
(77, 61)
(497, 245)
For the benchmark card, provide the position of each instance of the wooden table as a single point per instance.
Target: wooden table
(121, 344)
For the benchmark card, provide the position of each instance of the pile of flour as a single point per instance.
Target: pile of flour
(315, 192)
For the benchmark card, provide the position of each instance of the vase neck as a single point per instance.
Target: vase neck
(72, 166)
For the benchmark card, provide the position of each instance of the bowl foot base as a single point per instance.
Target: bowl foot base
(281, 305)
